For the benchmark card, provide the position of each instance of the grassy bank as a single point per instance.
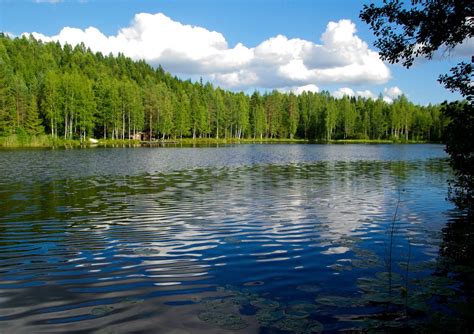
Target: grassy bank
(47, 141)
(215, 141)
(117, 143)
(17, 141)
(190, 141)
(376, 141)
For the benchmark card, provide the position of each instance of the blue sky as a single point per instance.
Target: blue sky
(240, 45)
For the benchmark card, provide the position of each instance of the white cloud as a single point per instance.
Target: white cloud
(275, 63)
(389, 94)
(366, 94)
(306, 88)
(392, 92)
(9, 34)
(299, 90)
(344, 91)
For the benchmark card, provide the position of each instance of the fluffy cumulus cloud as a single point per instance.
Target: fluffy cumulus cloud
(389, 93)
(306, 88)
(345, 91)
(392, 93)
(366, 94)
(298, 90)
(277, 62)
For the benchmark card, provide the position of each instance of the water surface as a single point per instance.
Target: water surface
(247, 238)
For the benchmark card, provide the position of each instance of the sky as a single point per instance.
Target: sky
(244, 45)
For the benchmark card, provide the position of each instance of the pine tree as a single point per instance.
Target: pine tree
(292, 114)
(7, 108)
(51, 101)
(33, 123)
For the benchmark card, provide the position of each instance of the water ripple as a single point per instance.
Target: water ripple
(90, 250)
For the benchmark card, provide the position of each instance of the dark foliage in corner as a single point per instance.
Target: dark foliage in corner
(460, 147)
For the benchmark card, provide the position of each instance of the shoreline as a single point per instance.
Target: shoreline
(46, 141)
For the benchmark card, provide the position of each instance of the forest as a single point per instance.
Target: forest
(73, 93)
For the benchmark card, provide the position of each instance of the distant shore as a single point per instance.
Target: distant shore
(46, 141)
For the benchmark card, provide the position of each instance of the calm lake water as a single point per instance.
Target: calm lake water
(246, 238)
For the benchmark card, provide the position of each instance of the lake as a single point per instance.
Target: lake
(240, 238)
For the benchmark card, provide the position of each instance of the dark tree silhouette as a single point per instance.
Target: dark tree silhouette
(460, 147)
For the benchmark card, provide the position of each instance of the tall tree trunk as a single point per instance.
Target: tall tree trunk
(65, 126)
(123, 125)
(129, 125)
(151, 131)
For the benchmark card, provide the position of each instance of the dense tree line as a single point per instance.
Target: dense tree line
(73, 93)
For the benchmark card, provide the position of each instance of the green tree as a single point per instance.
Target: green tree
(20, 96)
(378, 123)
(242, 118)
(330, 118)
(255, 101)
(78, 105)
(165, 109)
(401, 111)
(318, 115)
(33, 123)
(7, 107)
(347, 116)
(85, 107)
(111, 115)
(51, 101)
(273, 114)
(101, 86)
(131, 108)
(182, 114)
(136, 111)
(198, 112)
(219, 110)
(151, 106)
(363, 108)
(304, 121)
(69, 83)
(292, 115)
(258, 116)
